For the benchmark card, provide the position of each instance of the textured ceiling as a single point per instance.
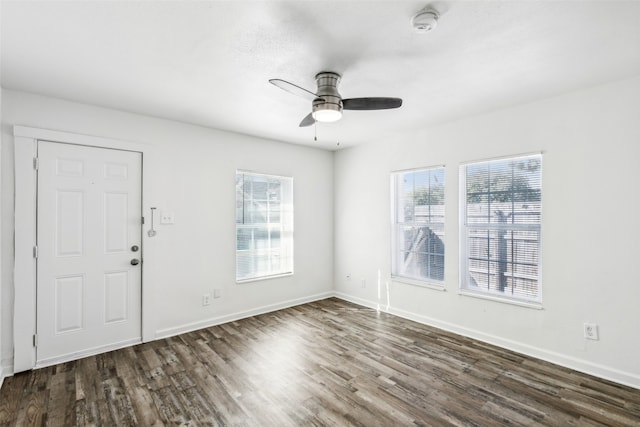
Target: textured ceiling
(209, 62)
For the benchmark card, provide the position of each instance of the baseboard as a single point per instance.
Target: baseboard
(600, 371)
(6, 370)
(218, 320)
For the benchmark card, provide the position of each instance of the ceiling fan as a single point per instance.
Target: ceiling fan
(327, 103)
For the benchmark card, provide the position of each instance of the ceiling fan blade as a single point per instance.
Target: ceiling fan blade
(371, 103)
(294, 89)
(307, 121)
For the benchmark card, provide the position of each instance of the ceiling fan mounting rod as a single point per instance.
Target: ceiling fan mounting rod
(327, 82)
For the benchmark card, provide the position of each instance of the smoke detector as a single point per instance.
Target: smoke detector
(425, 21)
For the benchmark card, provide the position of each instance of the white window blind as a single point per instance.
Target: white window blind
(264, 226)
(500, 236)
(418, 224)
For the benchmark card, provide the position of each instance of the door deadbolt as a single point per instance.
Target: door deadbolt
(134, 248)
(135, 261)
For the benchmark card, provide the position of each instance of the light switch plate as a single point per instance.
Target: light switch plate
(167, 218)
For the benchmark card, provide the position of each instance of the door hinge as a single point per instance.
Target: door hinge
(142, 220)
(35, 340)
(36, 163)
(35, 252)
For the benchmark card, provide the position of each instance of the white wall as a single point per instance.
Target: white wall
(590, 249)
(191, 172)
(591, 144)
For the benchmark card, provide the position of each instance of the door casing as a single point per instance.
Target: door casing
(24, 309)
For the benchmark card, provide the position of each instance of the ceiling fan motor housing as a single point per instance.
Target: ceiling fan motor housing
(328, 106)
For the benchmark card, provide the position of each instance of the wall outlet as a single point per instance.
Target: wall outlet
(591, 331)
(217, 293)
(206, 299)
(364, 283)
(167, 218)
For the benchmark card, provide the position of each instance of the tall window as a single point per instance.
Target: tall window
(500, 236)
(264, 226)
(418, 225)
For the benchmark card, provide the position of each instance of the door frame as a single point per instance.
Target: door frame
(25, 275)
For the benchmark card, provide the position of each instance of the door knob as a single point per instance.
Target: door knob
(135, 261)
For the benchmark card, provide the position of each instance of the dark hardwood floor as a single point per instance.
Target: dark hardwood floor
(328, 363)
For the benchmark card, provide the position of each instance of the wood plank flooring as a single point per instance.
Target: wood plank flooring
(327, 363)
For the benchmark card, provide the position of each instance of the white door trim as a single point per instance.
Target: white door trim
(24, 280)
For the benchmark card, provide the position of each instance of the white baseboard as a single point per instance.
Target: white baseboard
(165, 333)
(190, 327)
(601, 371)
(6, 370)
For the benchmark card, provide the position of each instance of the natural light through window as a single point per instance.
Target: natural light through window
(418, 225)
(264, 226)
(500, 236)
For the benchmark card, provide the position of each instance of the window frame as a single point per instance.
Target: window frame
(396, 223)
(284, 226)
(522, 227)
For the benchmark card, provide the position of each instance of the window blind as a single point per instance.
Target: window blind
(264, 225)
(501, 232)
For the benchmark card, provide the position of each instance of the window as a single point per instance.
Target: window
(264, 226)
(418, 225)
(500, 234)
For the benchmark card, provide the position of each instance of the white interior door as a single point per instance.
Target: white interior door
(88, 237)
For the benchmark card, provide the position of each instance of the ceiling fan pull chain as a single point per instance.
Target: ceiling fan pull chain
(315, 131)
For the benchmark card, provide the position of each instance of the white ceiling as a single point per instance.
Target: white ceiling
(208, 62)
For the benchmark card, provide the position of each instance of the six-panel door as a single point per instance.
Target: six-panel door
(89, 220)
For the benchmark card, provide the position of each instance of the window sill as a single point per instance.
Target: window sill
(504, 300)
(257, 279)
(413, 282)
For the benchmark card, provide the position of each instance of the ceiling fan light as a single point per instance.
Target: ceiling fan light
(328, 108)
(327, 115)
